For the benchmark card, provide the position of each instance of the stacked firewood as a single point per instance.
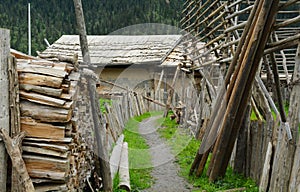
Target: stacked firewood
(53, 150)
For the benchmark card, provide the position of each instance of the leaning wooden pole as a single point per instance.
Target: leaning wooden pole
(242, 89)
(102, 158)
(82, 31)
(294, 118)
(100, 132)
(4, 101)
(13, 148)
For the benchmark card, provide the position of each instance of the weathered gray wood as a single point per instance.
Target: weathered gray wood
(264, 180)
(285, 150)
(124, 169)
(116, 156)
(39, 69)
(242, 86)
(294, 118)
(100, 132)
(4, 101)
(14, 113)
(45, 113)
(82, 31)
(43, 90)
(171, 92)
(13, 149)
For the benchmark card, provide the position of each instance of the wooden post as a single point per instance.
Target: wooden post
(4, 101)
(82, 31)
(171, 92)
(100, 132)
(294, 119)
(14, 101)
(285, 152)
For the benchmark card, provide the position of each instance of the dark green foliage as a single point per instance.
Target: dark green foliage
(53, 18)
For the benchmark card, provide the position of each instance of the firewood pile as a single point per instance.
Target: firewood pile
(53, 150)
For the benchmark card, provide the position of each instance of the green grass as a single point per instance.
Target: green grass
(253, 116)
(139, 157)
(185, 156)
(102, 104)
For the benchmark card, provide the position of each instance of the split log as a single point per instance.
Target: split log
(66, 140)
(38, 69)
(40, 80)
(13, 149)
(38, 98)
(43, 90)
(45, 113)
(42, 151)
(124, 169)
(51, 187)
(43, 130)
(47, 167)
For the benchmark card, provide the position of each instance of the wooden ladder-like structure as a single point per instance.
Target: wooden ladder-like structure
(250, 41)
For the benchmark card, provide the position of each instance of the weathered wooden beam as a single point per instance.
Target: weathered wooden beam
(100, 133)
(285, 149)
(171, 92)
(82, 31)
(242, 87)
(287, 22)
(14, 113)
(278, 92)
(4, 101)
(287, 3)
(264, 181)
(13, 149)
(294, 118)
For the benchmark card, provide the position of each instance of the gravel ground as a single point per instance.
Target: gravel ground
(165, 170)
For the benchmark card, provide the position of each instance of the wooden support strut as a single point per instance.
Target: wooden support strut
(13, 149)
(246, 76)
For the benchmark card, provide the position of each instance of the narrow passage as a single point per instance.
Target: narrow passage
(165, 170)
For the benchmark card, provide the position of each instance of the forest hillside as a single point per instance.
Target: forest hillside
(52, 18)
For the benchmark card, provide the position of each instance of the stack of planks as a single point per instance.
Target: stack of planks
(53, 150)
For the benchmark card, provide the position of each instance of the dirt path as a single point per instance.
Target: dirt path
(165, 171)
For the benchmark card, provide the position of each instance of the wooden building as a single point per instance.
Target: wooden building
(125, 59)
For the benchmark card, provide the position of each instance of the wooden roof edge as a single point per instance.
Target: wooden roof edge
(172, 49)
